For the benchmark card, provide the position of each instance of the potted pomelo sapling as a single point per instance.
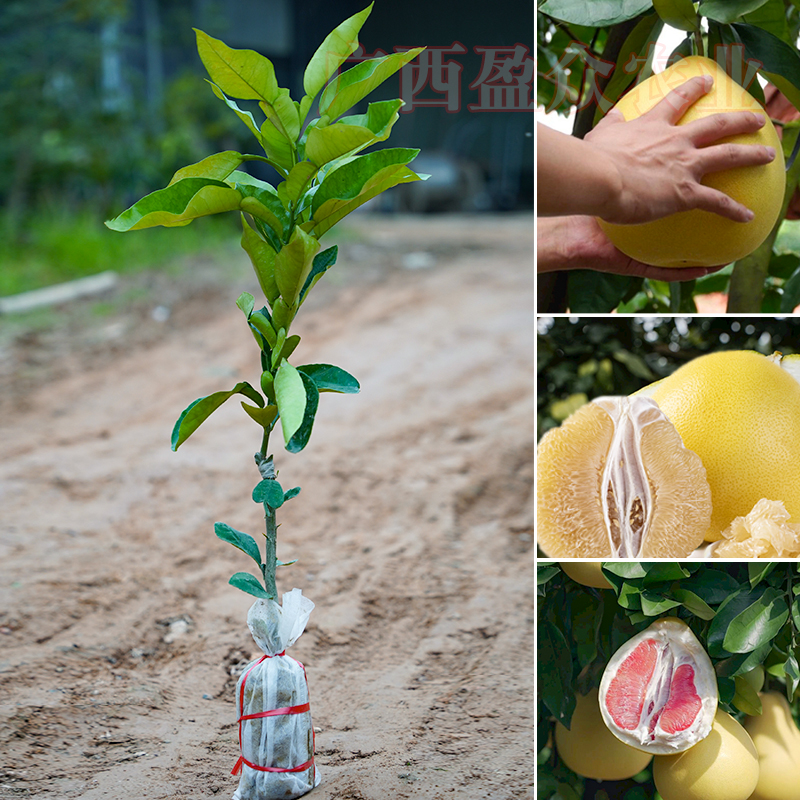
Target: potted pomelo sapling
(323, 176)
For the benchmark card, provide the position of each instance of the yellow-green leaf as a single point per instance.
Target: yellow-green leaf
(299, 178)
(293, 265)
(217, 167)
(262, 257)
(290, 395)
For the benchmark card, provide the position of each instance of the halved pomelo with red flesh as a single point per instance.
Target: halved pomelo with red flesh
(659, 690)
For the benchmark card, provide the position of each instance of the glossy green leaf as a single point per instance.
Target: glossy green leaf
(177, 205)
(299, 179)
(654, 604)
(679, 14)
(294, 263)
(713, 586)
(277, 146)
(269, 491)
(199, 411)
(289, 346)
(261, 323)
(301, 436)
(746, 698)
(337, 46)
(595, 15)
(216, 167)
(291, 493)
(353, 183)
(282, 314)
(246, 302)
(290, 394)
(245, 116)
(555, 682)
(262, 257)
(322, 263)
(243, 541)
(328, 378)
(247, 583)
(243, 74)
(758, 624)
(728, 10)
(694, 603)
(349, 87)
(260, 199)
(664, 571)
(262, 416)
(757, 570)
(283, 114)
(279, 563)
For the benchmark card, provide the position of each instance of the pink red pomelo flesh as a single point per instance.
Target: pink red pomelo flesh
(659, 690)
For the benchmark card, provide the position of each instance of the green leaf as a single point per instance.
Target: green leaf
(243, 541)
(757, 571)
(260, 199)
(746, 698)
(713, 586)
(555, 682)
(262, 257)
(246, 303)
(791, 293)
(289, 346)
(328, 378)
(277, 146)
(283, 114)
(279, 563)
(199, 411)
(596, 291)
(349, 87)
(263, 416)
(245, 116)
(654, 604)
(178, 204)
(291, 493)
(261, 323)
(657, 572)
(322, 263)
(301, 436)
(269, 491)
(243, 74)
(694, 603)
(679, 14)
(594, 15)
(216, 167)
(247, 583)
(293, 264)
(353, 183)
(299, 178)
(351, 134)
(728, 10)
(290, 394)
(758, 624)
(625, 569)
(337, 46)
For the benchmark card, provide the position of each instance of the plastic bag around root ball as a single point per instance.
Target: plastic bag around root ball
(276, 734)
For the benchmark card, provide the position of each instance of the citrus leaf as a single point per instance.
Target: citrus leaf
(679, 14)
(664, 572)
(290, 395)
(694, 603)
(216, 167)
(758, 624)
(746, 698)
(279, 563)
(291, 493)
(595, 15)
(336, 47)
(347, 88)
(260, 199)
(300, 438)
(758, 571)
(263, 416)
(262, 257)
(246, 303)
(260, 321)
(299, 178)
(200, 410)
(178, 204)
(736, 602)
(322, 263)
(283, 114)
(243, 541)
(244, 116)
(555, 683)
(276, 145)
(654, 604)
(247, 583)
(294, 263)
(726, 11)
(243, 74)
(269, 491)
(328, 378)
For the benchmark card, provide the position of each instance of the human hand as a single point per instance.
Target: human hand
(660, 164)
(578, 242)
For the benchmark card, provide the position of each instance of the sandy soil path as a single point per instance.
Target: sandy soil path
(120, 640)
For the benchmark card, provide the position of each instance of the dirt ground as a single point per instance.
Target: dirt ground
(120, 639)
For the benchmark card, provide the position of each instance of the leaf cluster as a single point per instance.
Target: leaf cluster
(745, 615)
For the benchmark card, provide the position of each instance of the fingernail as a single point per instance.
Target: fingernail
(771, 153)
(761, 120)
(749, 215)
(708, 82)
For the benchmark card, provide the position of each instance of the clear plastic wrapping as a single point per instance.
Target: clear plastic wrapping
(276, 735)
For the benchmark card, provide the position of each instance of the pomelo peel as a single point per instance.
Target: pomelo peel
(615, 481)
(658, 692)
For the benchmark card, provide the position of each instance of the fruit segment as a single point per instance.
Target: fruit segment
(615, 480)
(659, 690)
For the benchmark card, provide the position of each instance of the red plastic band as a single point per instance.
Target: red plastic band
(301, 709)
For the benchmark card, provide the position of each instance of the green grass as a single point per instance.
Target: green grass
(59, 245)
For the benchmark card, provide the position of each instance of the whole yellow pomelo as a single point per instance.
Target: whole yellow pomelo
(591, 750)
(701, 238)
(740, 412)
(777, 742)
(587, 573)
(723, 766)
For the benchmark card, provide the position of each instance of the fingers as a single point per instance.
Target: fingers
(708, 199)
(710, 129)
(729, 156)
(675, 104)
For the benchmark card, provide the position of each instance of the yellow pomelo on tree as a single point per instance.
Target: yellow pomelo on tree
(740, 412)
(589, 748)
(702, 238)
(777, 742)
(587, 573)
(723, 766)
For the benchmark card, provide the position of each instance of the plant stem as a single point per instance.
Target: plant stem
(270, 562)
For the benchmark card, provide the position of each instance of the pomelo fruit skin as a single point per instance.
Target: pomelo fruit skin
(777, 741)
(589, 749)
(702, 238)
(587, 573)
(740, 412)
(723, 766)
(658, 692)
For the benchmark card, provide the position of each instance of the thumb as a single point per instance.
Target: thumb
(612, 117)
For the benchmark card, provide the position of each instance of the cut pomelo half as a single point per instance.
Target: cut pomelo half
(659, 690)
(615, 481)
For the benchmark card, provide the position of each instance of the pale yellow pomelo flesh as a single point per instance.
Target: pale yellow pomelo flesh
(740, 412)
(589, 749)
(615, 481)
(701, 238)
(777, 741)
(587, 573)
(723, 766)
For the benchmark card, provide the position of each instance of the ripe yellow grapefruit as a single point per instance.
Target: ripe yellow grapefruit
(701, 238)
(723, 766)
(591, 750)
(587, 573)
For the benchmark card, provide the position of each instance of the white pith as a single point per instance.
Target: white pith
(676, 645)
(625, 489)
